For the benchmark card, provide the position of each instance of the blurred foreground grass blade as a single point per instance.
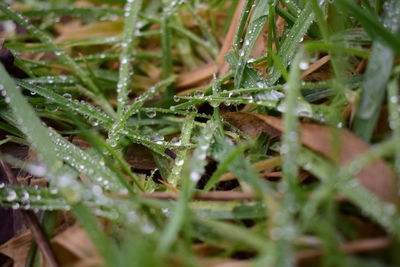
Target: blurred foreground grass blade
(394, 117)
(291, 42)
(30, 124)
(38, 136)
(47, 40)
(376, 77)
(290, 151)
(371, 23)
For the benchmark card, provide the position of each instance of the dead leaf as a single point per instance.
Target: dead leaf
(140, 157)
(17, 248)
(74, 245)
(98, 29)
(376, 176)
(194, 77)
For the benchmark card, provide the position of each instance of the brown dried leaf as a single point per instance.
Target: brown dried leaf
(17, 248)
(376, 176)
(194, 77)
(74, 245)
(98, 29)
(139, 157)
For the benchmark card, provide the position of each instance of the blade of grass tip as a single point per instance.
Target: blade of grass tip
(371, 23)
(64, 57)
(294, 37)
(116, 130)
(290, 149)
(216, 88)
(376, 78)
(37, 135)
(242, 24)
(254, 30)
(190, 176)
(186, 133)
(132, 9)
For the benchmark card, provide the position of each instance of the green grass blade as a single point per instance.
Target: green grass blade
(132, 9)
(30, 124)
(256, 28)
(376, 78)
(290, 44)
(371, 23)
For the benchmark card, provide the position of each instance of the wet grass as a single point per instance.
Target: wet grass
(135, 131)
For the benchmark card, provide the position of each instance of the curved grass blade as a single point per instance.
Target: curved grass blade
(294, 37)
(255, 29)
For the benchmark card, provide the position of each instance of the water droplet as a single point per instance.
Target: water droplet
(11, 196)
(37, 170)
(147, 228)
(303, 65)
(194, 176)
(198, 94)
(176, 98)
(67, 95)
(151, 113)
(192, 109)
(179, 162)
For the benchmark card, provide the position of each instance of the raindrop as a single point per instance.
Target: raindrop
(198, 94)
(11, 195)
(176, 98)
(303, 65)
(194, 176)
(192, 109)
(67, 95)
(151, 113)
